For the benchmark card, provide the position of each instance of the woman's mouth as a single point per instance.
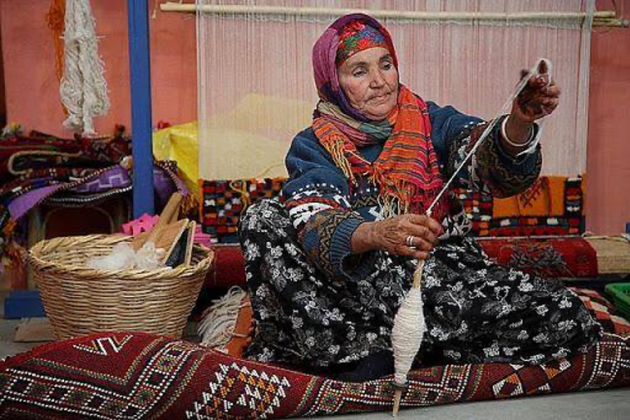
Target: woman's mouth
(379, 98)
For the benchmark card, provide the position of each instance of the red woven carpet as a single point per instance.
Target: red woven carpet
(134, 375)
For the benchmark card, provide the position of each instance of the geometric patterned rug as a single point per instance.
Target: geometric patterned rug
(551, 206)
(136, 376)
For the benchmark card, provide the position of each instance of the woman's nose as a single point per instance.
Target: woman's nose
(377, 79)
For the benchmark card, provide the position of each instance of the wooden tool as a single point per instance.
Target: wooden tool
(169, 215)
(181, 243)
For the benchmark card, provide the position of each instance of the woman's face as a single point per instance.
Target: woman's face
(370, 81)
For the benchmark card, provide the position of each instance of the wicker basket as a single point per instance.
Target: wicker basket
(80, 300)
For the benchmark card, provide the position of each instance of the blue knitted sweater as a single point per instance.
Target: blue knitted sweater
(326, 211)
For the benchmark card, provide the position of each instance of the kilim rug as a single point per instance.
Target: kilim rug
(552, 206)
(553, 257)
(139, 376)
(604, 311)
(223, 202)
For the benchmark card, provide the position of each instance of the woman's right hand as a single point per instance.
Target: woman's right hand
(396, 234)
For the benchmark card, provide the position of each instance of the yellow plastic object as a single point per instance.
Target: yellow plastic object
(251, 139)
(180, 143)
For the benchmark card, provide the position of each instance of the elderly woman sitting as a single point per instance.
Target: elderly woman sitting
(329, 265)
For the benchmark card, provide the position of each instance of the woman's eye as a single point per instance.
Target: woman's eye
(358, 73)
(387, 66)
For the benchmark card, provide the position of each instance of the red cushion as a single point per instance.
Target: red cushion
(550, 257)
(228, 268)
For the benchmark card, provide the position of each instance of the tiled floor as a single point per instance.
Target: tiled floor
(605, 405)
(7, 346)
(7, 331)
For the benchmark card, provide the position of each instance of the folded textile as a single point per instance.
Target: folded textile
(20, 154)
(76, 172)
(550, 257)
(99, 180)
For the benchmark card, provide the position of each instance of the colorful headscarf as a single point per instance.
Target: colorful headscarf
(358, 36)
(325, 67)
(407, 170)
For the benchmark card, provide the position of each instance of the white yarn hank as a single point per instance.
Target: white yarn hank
(219, 321)
(83, 88)
(409, 328)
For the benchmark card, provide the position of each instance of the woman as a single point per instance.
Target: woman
(329, 265)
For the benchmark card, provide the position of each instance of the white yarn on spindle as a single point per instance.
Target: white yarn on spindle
(83, 88)
(409, 327)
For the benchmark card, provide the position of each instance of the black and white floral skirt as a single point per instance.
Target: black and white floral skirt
(476, 311)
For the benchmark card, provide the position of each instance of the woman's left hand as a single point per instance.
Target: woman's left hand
(539, 98)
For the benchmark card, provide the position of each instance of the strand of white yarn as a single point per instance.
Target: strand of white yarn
(83, 88)
(409, 323)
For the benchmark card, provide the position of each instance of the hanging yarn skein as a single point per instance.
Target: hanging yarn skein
(56, 23)
(55, 19)
(83, 88)
(409, 323)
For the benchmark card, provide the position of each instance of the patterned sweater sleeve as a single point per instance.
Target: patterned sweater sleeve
(316, 197)
(491, 169)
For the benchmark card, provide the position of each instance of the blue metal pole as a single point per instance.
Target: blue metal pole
(140, 72)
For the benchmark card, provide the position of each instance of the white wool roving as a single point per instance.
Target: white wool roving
(83, 88)
(123, 257)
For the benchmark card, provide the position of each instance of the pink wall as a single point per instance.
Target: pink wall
(608, 164)
(32, 89)
(33, 98)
